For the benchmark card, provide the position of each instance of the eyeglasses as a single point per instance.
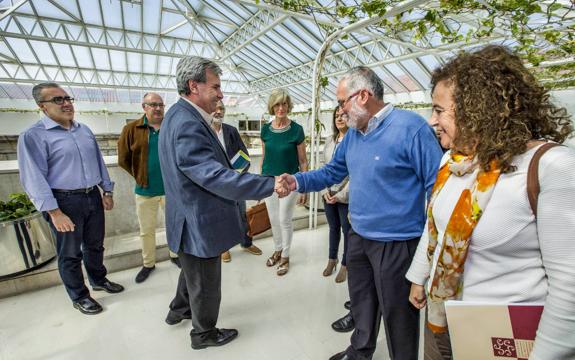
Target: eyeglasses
(59, 100)
(342, 103)
(154, 105)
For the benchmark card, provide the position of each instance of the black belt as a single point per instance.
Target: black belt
(75, 191)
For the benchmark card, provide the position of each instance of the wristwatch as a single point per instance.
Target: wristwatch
(108, 193)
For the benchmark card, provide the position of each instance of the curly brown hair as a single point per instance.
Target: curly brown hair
(499, 106)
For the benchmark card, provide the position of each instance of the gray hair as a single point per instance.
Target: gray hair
(193, 68)
(362, 77)
(37, 90)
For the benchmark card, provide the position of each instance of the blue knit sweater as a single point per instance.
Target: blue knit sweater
(391, 169)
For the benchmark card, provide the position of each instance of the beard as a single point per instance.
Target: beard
(355, 115)
(217, 120)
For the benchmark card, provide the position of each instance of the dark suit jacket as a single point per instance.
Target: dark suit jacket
(202, 191)
(233, 141)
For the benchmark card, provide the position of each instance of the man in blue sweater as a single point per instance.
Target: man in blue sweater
(391, 157)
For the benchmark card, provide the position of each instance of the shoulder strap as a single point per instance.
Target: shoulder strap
(533, 175)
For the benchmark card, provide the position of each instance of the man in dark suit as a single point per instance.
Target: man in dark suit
(232, 143)
(202, 194)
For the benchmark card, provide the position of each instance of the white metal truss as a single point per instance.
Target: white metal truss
(252, 29)
(259, 46)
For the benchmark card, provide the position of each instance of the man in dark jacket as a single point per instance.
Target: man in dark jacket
(202, 194)
(231, 141)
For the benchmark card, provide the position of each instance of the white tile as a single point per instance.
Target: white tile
(280, 318)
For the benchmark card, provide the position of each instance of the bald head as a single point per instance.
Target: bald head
(153, 106)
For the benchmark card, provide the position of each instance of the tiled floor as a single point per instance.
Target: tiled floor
(284, 318)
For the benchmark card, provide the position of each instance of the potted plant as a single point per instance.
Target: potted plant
(18, 206)
(26, 240)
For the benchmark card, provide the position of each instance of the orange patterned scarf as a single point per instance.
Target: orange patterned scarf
(446, 279)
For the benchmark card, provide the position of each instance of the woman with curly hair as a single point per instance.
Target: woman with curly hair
(484, 242)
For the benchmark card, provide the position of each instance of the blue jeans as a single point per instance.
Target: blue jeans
(336, 215)
(86, 242)
(246, 240)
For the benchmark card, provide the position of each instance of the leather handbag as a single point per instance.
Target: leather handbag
(258, 219)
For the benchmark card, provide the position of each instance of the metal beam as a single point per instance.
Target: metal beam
(11, 9)
(98, 86)
(176, 51)
(299, 74)
(114, 76)
(251, 30)
(190, 11)
(263, 6)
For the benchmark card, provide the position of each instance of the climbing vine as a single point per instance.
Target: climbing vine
(538, 30)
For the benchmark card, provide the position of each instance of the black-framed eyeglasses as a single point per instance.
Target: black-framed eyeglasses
(59, 100)
(155, 105)
(342, 103)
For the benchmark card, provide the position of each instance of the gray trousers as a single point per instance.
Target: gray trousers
(378, 288)
(199, 292)
(437, 346)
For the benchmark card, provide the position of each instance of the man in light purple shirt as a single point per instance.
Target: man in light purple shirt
(61, 168)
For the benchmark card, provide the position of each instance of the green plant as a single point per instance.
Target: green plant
(538, 30)
(18, 206)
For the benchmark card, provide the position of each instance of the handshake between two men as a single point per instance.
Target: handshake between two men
(285, 184)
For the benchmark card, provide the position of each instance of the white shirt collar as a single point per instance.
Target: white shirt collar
(207, 117)
(378, 118)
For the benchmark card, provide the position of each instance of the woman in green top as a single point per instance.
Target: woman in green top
(283, 149)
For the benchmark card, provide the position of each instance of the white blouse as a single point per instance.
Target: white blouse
(515, 258)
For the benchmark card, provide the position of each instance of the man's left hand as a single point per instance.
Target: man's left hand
(302, 199)
(108, 202)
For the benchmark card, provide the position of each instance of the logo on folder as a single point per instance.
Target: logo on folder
(492, 331)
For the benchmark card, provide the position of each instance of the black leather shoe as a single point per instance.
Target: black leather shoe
(218, 337)
(340, 356)
(109, 287)
(144, 273)
(345, 324)
(176, 262)
(347, 305)
(175, 318)
(88, 306)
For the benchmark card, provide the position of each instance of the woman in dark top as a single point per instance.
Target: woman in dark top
(283, 149)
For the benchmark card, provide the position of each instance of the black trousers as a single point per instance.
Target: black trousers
(199, 292)
(85, 243)
(378, 287)
(336, 215)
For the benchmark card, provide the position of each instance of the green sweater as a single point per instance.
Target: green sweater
(280, 149)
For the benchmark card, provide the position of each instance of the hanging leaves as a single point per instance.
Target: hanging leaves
(535, 27)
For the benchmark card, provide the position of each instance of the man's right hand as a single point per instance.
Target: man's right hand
(281, 187)
(417, 296)
(61, 221)
(289, 181)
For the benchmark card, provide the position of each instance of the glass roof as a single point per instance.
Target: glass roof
(115, 50)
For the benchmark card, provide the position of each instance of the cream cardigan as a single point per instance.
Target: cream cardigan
(342, 189)
(515, 258)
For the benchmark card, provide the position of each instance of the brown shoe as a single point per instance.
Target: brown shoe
(252, 249)
(226, 256)
(272, 260)
(331, 266)
(283, 266)
(341, 275)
